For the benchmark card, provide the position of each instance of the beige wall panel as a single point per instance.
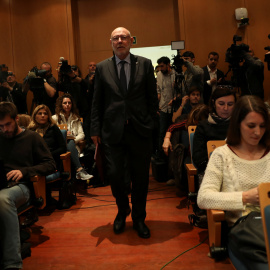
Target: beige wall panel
(40, 33)
(152, 22)
(6, 41)
(211, 27)
(257, 34)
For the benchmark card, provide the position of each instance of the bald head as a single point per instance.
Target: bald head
(121, 42)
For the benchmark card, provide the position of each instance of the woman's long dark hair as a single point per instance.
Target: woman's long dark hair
(59, 108)
(242, 108)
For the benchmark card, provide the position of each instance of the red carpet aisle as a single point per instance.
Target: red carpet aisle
(82, 237)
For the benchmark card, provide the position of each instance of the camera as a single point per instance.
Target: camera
(35, 78)
(234, 54)
(65, 68)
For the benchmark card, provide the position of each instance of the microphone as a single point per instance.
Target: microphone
(32, 74)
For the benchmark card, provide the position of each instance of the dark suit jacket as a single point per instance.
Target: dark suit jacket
(112, 107)
(207, 90)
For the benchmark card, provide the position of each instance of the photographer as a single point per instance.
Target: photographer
(44, 91)
(252, 75)
(70, 81)
(193, 73)
(248, 70)
(12, 91)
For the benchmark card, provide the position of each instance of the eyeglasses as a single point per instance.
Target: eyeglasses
(116, 38)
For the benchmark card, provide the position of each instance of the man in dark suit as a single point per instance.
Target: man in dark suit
(212, 76)
(124, 105)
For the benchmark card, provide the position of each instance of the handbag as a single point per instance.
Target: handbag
(246, 238)
(67, 195)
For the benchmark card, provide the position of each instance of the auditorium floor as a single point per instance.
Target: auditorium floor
(82, 237)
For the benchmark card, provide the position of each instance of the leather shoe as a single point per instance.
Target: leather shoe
(141, 229)
(120, 222)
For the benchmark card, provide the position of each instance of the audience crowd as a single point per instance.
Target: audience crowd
(203, 98)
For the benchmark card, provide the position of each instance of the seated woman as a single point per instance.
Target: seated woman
(43, 124)
(235, 170)
(178, 158)
(198, 113)
(67, 113)
(215, 127)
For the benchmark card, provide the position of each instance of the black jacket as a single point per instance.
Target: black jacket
(205, 132)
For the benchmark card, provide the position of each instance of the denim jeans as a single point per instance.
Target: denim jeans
(71, 147)
(10, 245)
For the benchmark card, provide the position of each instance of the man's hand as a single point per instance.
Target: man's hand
(251, 196)
(14, 175)
(184, 100)
(6, 85)
(213, 81)
(96, 140)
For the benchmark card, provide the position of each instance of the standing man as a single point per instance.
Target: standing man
(124, 105)
(212, 76)
(166, 93)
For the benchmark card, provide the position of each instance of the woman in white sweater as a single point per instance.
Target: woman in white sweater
(67, 113)
(236, 169)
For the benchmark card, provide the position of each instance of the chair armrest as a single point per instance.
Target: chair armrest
(191, 171)
(39, 184)
(214, 218)
(66, 163)
(65, 156)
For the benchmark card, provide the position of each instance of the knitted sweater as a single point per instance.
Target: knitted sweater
(226, 177)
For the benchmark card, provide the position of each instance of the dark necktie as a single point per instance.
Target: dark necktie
(123, 78)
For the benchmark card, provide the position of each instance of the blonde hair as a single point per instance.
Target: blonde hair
(34, 124)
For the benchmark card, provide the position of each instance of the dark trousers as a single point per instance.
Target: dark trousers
(131, 156)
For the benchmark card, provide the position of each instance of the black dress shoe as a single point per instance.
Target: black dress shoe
(120, 222)
(141, 229)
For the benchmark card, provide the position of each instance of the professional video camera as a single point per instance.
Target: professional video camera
(267, 55)
(3, 73)
(234, 54)
(35, 79)
(65, 68)
(177, 64)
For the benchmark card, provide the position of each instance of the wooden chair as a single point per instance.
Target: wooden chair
(38, 199)
(264, 196)
(215, 217)
(191, 170)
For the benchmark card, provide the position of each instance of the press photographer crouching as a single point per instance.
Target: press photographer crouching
(43, 85)
(248, 70)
